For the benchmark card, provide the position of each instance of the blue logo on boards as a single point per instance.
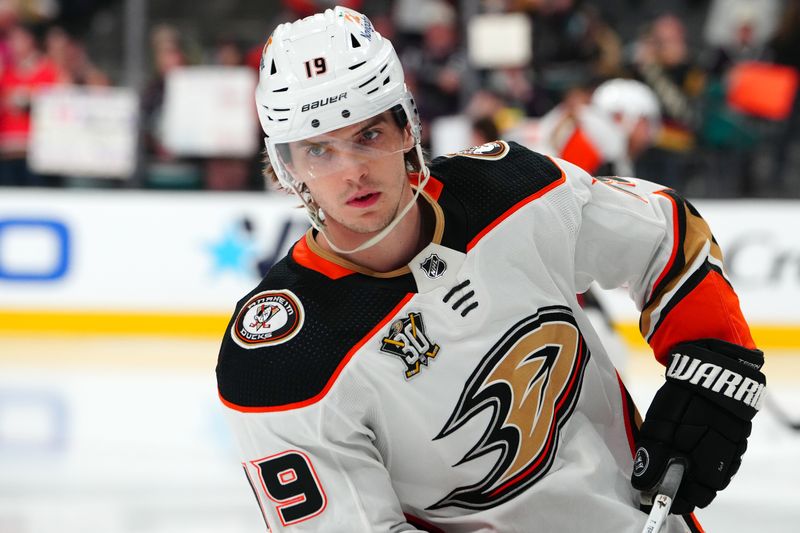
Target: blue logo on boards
(60, 239)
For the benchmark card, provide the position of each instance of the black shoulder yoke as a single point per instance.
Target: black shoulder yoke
(489, 185)
(336, 315)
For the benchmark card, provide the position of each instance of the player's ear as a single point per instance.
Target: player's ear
(408, 138)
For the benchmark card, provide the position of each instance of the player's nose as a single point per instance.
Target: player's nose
(355, 169)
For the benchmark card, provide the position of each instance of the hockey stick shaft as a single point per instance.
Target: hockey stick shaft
(666, 494)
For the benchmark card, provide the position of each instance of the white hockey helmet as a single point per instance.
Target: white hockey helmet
(630, 100)
(323, 73)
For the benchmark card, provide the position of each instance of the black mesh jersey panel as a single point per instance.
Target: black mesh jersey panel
(487, 188)
(339, 313)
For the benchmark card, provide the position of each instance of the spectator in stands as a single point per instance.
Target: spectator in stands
(232, 173)
(785, 48)
(229, 53)
(72, 61)
(483, 131)
(29, 71)
(492, 104)
(436, 68)
(634, 108)
(663, 62)
(572, 44)
(164, 169)
(8, 19)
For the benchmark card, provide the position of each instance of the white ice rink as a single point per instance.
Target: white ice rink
(126, 436)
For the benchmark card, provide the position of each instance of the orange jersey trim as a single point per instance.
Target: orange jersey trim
(695, 523)
(516, 207)
(305, 403)
(433, 187)
(710, 310)
(304, 256)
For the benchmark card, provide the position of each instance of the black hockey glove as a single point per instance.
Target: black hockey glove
(702, 414)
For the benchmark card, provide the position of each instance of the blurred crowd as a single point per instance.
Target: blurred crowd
(700, 95)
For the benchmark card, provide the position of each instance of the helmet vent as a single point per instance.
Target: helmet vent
(354, 41)
(384, 67)
(281, 90)
(373, 90)
(272, 69)
(353, 67)
(367, 82)
(386, 80)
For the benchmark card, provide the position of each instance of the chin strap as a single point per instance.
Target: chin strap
(319, 224)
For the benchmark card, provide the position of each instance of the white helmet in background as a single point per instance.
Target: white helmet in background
(629, 100)
(323, 73)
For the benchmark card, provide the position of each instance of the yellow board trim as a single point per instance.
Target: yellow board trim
(213, 326)
(766, 336)
(114, 323)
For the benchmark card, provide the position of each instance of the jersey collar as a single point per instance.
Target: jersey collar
(309, 254)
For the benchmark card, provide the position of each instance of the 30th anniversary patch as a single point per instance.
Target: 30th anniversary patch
(268, 318)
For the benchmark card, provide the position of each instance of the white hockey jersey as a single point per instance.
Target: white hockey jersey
(467, 392)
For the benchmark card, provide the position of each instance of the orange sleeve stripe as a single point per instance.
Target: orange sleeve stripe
(694, 525)
(710, 310)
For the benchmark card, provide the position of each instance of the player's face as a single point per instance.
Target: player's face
(356, 174)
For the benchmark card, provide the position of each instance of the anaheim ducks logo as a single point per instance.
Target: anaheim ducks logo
(492, 150)
(270, 317)
(530, 380)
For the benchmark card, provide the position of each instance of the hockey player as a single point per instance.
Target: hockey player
(419, 361)
(633, 106)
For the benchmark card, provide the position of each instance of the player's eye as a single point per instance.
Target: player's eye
(316, 150)
(371, 135)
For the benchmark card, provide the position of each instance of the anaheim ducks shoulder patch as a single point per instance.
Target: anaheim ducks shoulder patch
(268, 318)
(493, 150)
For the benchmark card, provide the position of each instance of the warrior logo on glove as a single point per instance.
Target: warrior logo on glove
(702, 415)
(717, 379)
